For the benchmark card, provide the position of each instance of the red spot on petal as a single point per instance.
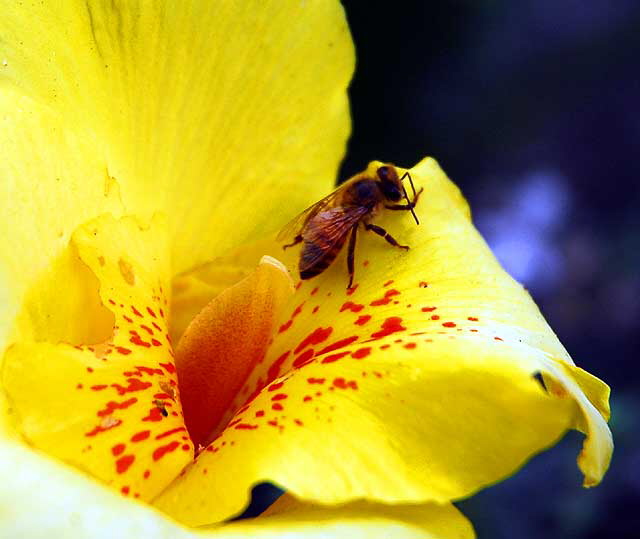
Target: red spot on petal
(317, 336)
(284, 327)
(298, 422)
(156, 342)
(351, 290)
(147, 329)
(472, 318)
(274, 370)
(428, 309)
(497, 339)
(150, 311)
(389, 326)
(338, 344)
(277, 406)
(307, 398)
(423, 284)
(146, 474)
(410, 345)
(134, 384)
(275, 387)
(341, 383)
(313, 292)
(123, 463)
(117, 449)
(435, 317)
(245, 426)
(99, 387)
(163, 450)
(155, 414)
(89, 369)
(303, 359)
(259, 413)
(351, 306)
(136, 311)
(315, 309)
(169, 367)
(362, 320)
(388, 283)
(112, 406)
(449, 324)
(128, 319)
(279, 397)
(386, 298)
(334, 357)
(169, 432)
(361, 353)
(316, 380)
(122, 350)
(139, 436)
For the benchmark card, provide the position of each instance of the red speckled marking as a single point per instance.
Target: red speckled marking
(150, 311)
(338, 344)
(123, 463)
(122, 350)
(423, 284)
(435, 317)
(334, 357)
(136, 311)
(112, 406)
(104, 427)
(428, 309)
(274, 370)
(137, 340)
(389, 326)
(155, 414)
(389, 282)
(410, 345)
(307, 398)
(386, 299)
(497, 339)
(245, 426)
(279, 397)
(135, 384)
(351, 306)
(315, 309)
(361, 353)
(156, 342)
(472, 318)
(147, 329)
(341, 383)
(164, 449)
(362, 320)
(449, 324)
(169, 432)
(146, 474)
(260, 413)
(316, 380)
(142, 435)
(303, 359)
(317, 336)
(314, 291)
(277, 406)
(351, 290)
(275, 387)
(117, 449)
(99, 387)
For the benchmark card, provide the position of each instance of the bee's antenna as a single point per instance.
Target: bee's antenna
(407, 175)
(409, 203)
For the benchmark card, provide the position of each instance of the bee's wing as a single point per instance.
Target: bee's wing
(325, 230)
(297, 224)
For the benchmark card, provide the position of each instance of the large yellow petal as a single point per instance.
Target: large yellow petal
(41, 498)
(433, 377)
(111, 409)
(223, 114)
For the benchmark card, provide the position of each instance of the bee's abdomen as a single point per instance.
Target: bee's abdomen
(317, 257)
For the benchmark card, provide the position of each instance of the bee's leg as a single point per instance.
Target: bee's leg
(296, 240)
(351, 254)
(382, 232)
(405, 206)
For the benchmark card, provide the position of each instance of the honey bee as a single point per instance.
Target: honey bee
(324, 226)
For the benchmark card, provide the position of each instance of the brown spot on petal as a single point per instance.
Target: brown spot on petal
(126, 270)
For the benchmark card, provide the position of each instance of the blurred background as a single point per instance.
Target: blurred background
(533, 108)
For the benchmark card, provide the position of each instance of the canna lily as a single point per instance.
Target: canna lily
(157, 341)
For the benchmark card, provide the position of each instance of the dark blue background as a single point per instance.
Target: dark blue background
(533, 108)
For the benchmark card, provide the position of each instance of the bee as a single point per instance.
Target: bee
(324, 226)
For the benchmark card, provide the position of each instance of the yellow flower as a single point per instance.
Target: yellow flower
(149, 150)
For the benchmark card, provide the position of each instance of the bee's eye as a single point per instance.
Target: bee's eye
(384, 173)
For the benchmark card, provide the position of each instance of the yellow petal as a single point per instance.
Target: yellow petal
(42, 498)
(112, 409)
(52, 180)
(420, 383)
(224, 342)
(216, 111)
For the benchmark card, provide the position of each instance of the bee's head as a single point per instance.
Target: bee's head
(389, 183)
